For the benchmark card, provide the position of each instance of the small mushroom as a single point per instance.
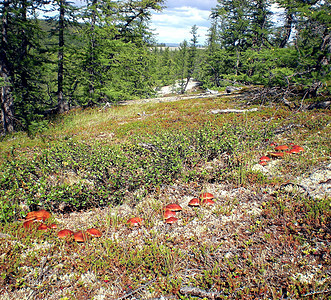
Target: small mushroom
(52, 226)
(28, 224)
(194, 202)
(205, 196)
(173, 207)
(38, 215)
(81, 237)
(168, 214)
(263, 163)
(281, 148)
(297, 148)
(136, 221)
(264, 158)
(64, 233)
(43, 227)
(208, 202)
(94, 232)
(171, 220)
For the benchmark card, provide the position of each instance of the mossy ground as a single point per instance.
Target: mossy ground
(98, 168)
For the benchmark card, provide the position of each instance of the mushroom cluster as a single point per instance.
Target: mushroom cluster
(33, 218)
(170, 211)
(205, 199)
(79, 236)
(280, 151)
(42, 215)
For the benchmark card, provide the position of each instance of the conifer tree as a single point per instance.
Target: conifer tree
(6, 73)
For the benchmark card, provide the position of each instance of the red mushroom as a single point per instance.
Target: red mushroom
(168, 214)
(43, 227)
(173, 207)
(81, 237)
(205, 196)
(28, 224)
(171, 220)
(281, 148)
(64, 233)
(94, 232)
(136, 221)
(264, 158)
(297, 148)
(208, 202)
(194, 202)
(38, 215)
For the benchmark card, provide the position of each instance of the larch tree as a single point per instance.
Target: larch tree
(7, 103)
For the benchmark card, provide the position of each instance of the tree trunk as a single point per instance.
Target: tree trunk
(62, 105)
(7, 104)
(92, 49)
(288, 30)
(24, 52)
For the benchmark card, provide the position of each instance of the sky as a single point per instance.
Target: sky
(174, 23)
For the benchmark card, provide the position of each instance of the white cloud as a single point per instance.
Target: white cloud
(201, 5)
(173, 25)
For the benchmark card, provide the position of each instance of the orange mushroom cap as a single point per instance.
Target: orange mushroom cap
(171, 220)
(136, 221)
(64, 233)
(168, 214)
(281, 147)
(298, 148)
(194, 202)
(43, 227)
(173, 207)
(81, 237)
(38, 215)
(206, 196)
(28, 224)
(94, 232)
(208, 202)
(264, 158)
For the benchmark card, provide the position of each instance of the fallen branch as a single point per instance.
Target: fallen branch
(222, 111)
(107, 105)
(317, 293)
(287, 128)
(136, 290)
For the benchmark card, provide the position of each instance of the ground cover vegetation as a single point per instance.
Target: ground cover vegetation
(267, 234)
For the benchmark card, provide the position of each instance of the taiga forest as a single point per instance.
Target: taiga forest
(105, 51)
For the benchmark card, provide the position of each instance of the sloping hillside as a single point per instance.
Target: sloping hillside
(266, 235)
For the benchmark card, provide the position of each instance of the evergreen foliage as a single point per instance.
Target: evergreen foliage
(110, 55)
